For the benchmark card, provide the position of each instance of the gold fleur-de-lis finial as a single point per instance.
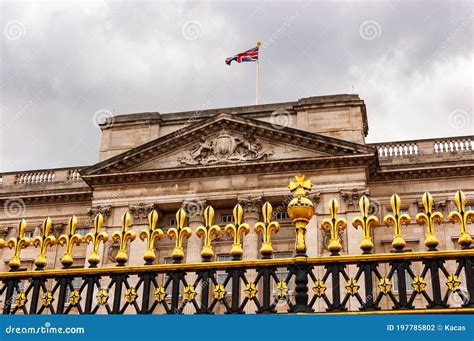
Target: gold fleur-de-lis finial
(397, 220)
(179, 232)
(151, 234)
(18, 243)
(300, 186)
(237, 229)
(366, 222)
(334, 224)
(70, 239)
(123, 236)
(42, 241)
(429, 218)
(206, 232)
(266, 228)
(96, 238)
(462, 216)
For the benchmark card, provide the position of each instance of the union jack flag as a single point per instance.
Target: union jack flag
(247, 56)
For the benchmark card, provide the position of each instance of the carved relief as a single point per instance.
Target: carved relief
(93, 211)
(225, 148)
(351, 198)
(141, 210)
(112, 250)
(326, 236)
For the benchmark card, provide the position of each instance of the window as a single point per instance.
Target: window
(76, 284)
(227, 218)
(172, 222)
(82, 231)
(21, 287)
(221, 275)
(29, 234)
(404, 211)
(282, 216)
(169, 289)
(281, 273)
(408, 281)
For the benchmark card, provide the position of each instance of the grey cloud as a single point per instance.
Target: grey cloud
(77, 58)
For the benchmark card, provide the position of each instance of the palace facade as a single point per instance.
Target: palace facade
(246, 155)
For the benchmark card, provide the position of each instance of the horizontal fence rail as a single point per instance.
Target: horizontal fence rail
(398, 282)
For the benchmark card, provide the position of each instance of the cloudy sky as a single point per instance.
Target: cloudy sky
(63, 64)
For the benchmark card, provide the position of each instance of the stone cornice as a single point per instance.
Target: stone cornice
(277, 166)
(51, 197)
(426, 171)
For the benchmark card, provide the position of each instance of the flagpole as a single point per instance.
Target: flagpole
(258, 75)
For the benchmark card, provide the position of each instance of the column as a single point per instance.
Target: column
(193, 253)
(252, 207)
(353, 237)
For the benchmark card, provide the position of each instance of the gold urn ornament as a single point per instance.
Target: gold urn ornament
(300, 211)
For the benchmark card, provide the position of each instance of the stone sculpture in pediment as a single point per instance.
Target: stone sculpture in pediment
(225, 148)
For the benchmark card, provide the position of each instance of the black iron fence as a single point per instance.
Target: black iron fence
(397, 282)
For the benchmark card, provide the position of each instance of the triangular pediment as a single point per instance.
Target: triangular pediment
(226, 140)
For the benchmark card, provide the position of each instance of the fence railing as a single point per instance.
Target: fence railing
(433, 280)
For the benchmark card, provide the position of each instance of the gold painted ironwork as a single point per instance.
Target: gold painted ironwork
(160, 294)
(419, 284)
(333, 225)
(282, 289)
(352, 286)
(397, 220)
(365, 222)
(453, 282)
(219, 292)
(429, 218)
(47, 298)
(43, 241)
(206, 232)
(102, 296)
(300, 210)
(74, 297)
(70, 239)
(18, 243)
(96, 238)
(385, 285)
(189, 292)
(124, 236)
(151, 234)
(179, 232)
(266, 228)
(319, 287)
(462, 216)
(237, 229)
(250, 290)
(131, 295)
(20, 299)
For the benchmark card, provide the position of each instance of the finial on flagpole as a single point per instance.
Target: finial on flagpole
(258, 77)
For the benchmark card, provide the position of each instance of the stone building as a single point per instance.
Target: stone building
(245, 155)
